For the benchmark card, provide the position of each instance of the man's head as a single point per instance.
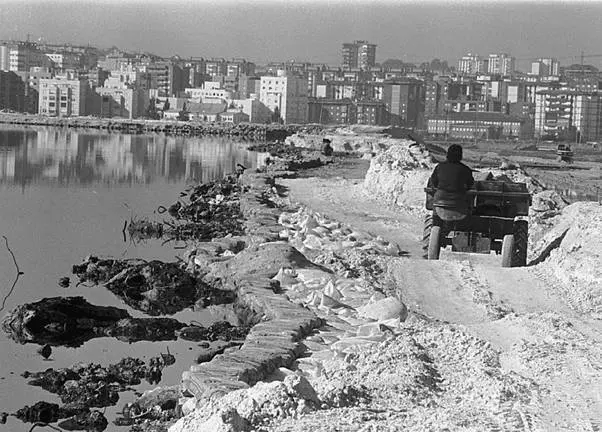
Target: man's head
(454, 153)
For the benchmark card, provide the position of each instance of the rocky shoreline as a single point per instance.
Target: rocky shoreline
(158, 288)
(247, 131)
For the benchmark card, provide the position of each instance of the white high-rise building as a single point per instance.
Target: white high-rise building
(545, 67)
(287, 95)
(470, 64)
(500, 64)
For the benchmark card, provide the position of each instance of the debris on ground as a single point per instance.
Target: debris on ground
(206, 211)
(154, 410)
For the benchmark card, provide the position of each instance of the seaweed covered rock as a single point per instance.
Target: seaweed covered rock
(221, 330)
(71, 321)
(154, 410)
(40, 412)
(77, 418)
(204, 212)
(60, 321)
(83, 386)
(93, 421)
(154, 287)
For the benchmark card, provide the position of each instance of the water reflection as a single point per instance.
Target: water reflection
(65, 156)
(66, 195)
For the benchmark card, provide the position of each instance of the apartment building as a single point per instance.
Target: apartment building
(21, 56)
(470, 64)
(286, 96)
(215, 67)
(501, 64)
(568, 114)
(62, 97)
(167, 77)
(64, 61)
(405, 102)
(544, 67)
(12, 92)
(122, 102)
(359, 54)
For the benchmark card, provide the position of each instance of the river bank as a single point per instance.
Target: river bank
(355, 331)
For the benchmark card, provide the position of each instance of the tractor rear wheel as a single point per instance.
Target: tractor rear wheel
(507, 250)
(434, 244)
(426, 234)
(521, 237)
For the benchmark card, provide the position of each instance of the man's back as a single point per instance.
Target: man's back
(452, 177)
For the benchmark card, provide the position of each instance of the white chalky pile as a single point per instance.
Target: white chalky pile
(309, 231)
(357, 315)
(576, 233)
(399, 174)
(357, 318)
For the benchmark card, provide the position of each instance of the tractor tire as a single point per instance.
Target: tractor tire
(521, 237)
(434, 243)
(507, 250)
(426, 234)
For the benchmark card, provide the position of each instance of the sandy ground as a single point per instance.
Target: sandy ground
(549, 355)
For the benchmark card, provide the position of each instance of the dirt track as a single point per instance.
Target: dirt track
(520, 312)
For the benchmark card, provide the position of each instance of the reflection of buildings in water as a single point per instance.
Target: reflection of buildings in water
(7, 163)
(67, 156)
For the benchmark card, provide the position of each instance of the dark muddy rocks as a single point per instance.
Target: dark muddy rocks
(154, 287)
(71, 321)
(79, 418)
(221, 330)
(41, 412)
(84, 386)
(93, 421)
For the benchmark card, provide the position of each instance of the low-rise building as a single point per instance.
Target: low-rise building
(208, 94)
(371, 113)
(332, 111)
(256, 110)
(480, 125)
(205, 112)
(346, 111)
(233, 116)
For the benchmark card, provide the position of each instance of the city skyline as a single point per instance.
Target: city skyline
(314, 31)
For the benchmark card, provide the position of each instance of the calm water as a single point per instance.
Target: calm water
(65, 194)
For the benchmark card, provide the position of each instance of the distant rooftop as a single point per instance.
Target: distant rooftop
(478, 116)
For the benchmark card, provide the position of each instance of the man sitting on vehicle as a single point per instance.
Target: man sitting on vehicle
(452, 178)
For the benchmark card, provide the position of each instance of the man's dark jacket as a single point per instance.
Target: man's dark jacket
(452, 180)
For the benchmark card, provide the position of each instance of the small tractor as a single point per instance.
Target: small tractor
(564, 153)
(494, 218)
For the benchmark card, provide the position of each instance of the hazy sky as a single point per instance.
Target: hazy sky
(315, 30)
